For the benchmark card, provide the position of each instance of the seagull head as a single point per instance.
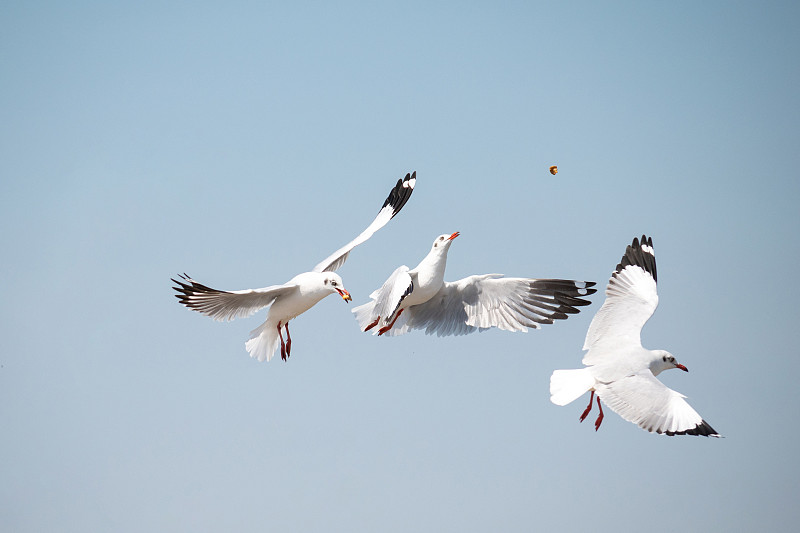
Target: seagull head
(334, 283)
(443, 242)
(663, 360)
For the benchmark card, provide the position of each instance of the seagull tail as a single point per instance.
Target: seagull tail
(569, 385)
(263, 341)
(364, 315)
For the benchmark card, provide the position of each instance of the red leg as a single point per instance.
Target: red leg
(289, 341)
(589, 407)
(283, 346)
(600, 416)
(390, 326)
(373, 324)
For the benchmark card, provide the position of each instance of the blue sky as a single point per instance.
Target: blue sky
(242, 143)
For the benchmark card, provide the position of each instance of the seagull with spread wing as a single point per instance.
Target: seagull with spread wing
(619, 370)
(419, 298)
(294, 297)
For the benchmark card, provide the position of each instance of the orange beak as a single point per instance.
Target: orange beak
(678, 365)
(344, 294)
(453, 236)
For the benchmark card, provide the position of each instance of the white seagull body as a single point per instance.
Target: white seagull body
(619, 369)
(419, 298)
(294, 297)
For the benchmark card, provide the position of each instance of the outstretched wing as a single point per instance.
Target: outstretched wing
(490, 300)
(645, 401)
(226, 305)
(394, 203)
(631, 299)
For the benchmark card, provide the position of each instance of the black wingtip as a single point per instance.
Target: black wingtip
(640, 254)
(401, 193)
(188, 291)
(703, 429)
(558, 297)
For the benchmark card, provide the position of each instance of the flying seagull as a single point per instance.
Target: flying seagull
(619, 370)
(294, 297)
(419, 298)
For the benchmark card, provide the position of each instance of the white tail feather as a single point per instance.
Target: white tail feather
(364, 314)
(569, 385)
(263, 341)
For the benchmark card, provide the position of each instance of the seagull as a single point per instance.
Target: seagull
(294, 297)
(619, 370)
(419, 298)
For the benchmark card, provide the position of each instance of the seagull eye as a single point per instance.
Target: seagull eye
(333, 283)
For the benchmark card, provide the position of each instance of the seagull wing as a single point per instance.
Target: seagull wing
(386, 300)
(227, 305)
(490, 300)
(394, 203)
(642, 399)
(631, 299)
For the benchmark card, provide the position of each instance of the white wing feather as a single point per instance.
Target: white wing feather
(397, 198)
(490, 300)
(631, 299)
(642, 399)
(227, 305)
(385, 300)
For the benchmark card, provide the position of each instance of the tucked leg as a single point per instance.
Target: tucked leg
(589, 407)
(283, 345)
(600, 416)
(289, 341)
(373, 324)
(390, 326)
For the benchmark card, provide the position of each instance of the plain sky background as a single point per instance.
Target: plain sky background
(242, 142)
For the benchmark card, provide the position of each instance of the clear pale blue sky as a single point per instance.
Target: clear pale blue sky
(242, 143)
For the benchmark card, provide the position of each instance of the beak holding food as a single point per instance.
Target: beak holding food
(345, 295)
